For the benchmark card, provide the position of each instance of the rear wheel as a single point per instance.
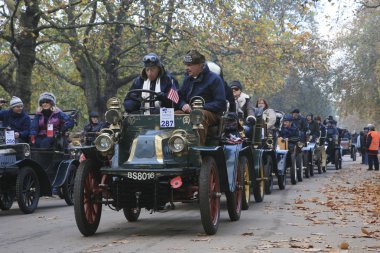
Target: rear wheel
(299, 163)
(234, 199)
(132, 214)
(6, 200)
(27, 190)
(337, 158)
(209, 195)
(68, 186)
(306, 161)
(268, 168)
(293, 170)
(310, 164)
(87, 198)
(246, 199)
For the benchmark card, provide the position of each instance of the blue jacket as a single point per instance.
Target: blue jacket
(292, 133)
(19, 122)
(166, 83)
(209, 86)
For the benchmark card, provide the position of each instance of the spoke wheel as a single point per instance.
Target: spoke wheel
(234, 199)
(293, 170)
(132, 214)
(209, 195)
(299, 163)
(246, 199)
(6, 200)
(68, 186)
(259, 186)
(27, 190)
(87, 201)
(268, 168)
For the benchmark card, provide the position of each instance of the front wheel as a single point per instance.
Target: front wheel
(68, 186)
(268, 168)
(6, 200)
(234, 199)
(299, 163)
(132, 214)
(247, 187)
(337, 159)
(293, 171)
(87, 198)
(306, 161)
(27, 190)
(209, 195)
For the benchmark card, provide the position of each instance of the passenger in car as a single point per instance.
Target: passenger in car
(93, 128)
(200, 81)
(49, 122)
(16, 119)
(289, 131)
(153, 77)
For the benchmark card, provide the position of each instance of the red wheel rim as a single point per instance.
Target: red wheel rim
(214, 198)
(91, 208)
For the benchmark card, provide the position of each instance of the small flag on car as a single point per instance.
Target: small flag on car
(173, 95)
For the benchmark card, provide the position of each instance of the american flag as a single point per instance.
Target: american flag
(173, 95)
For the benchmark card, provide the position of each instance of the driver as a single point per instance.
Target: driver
(289, 131)
(153, 77)
(200, 81)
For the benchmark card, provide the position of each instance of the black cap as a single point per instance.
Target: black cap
(236, 84)
(296, 111)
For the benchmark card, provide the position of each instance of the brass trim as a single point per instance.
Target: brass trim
(133, 150)
(158, 145)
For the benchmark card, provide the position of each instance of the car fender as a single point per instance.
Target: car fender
(281, 156)
(218, 154)
(43, 178)
(63, 172)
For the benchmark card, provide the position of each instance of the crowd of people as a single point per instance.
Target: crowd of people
(203, 79)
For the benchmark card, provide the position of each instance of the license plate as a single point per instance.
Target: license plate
(140, 175)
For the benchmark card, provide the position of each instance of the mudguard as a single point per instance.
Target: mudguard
(281, 161)
(218, 153)
(231, 153)
(63, 172)
(258, 164)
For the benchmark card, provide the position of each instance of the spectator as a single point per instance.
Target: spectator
(373, 144)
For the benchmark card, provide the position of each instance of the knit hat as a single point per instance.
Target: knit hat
(194, 57)
(15, 101)
(47, 96)
(236, 84)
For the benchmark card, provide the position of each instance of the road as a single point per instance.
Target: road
(316, 215)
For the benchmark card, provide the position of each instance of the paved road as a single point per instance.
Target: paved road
(308, 217)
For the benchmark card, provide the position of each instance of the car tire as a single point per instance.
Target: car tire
(293, 170)
(6, 200)
(132, 214)
(27, 190)
(87, 200)
(281, 180)
(268, 168)
(337, 158)
(299, 162)
(246, 199)
(234, 199)
(68, 186)
(209, 195)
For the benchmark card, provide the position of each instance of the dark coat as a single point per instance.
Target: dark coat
(313, 126)
(209, 86)
(166, 83)
(19, 122)
(291, 133)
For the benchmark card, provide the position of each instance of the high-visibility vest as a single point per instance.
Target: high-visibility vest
(375, 140)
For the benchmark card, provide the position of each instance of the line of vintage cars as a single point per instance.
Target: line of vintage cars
(153, 161)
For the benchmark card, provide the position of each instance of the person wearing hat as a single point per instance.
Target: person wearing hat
(200, 81)
(300, 122)
(93, 128)
(363, 142)
(373, 144)
(322, 139)
(48, 122)
(16, 119)
(153, 77)
(242, 100)
(289, 131)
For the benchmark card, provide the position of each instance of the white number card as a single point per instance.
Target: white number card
(166, 117)
(10, 137)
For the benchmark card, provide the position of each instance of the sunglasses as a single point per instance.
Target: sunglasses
(150, 58)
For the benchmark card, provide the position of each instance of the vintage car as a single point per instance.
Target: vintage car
(333, 149)
(27, 173)
(348, 148)
(153, 161)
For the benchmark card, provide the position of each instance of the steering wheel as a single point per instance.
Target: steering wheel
(132, 96)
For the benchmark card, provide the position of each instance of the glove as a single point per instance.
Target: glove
(161, 95)
(251, 120)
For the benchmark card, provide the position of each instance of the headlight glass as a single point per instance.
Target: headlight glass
(177, 143)
(104, 143)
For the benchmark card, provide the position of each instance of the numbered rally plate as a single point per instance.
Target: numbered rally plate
(142, 176)
(166, 117)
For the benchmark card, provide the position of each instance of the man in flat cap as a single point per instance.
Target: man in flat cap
(200, 81)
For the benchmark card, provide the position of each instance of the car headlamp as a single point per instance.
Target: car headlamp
(104, 142)
(113, 116)
(177, 143)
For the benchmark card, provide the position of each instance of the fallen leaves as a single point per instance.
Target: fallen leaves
(344, 245)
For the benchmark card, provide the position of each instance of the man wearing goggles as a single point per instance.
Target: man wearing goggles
(153, 77)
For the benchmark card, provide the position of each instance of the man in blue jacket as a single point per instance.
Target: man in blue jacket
(16, 119)
(200, 81)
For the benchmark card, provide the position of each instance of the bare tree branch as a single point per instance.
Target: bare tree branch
(14, 51)
(61, 7)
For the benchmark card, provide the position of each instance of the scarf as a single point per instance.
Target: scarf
(144, 95)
